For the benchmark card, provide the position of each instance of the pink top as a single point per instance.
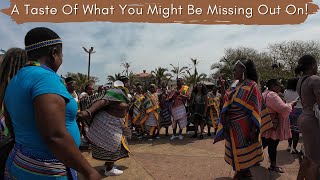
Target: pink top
(276, 104)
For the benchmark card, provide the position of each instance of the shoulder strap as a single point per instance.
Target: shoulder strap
(301, 86)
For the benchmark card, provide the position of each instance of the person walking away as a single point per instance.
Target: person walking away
(279, 111)
(291, 95)
(240, 120)
(309, 90)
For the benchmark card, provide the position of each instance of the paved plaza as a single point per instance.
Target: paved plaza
(190, 159)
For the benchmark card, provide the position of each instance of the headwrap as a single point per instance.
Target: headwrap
(117, 94)
(41, 37)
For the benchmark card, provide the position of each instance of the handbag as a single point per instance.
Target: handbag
(274, 116)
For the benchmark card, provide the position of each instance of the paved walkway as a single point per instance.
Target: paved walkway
(190, 159)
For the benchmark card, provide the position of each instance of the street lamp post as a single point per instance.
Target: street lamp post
(90, 51)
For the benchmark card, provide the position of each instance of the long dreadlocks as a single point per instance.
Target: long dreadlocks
(13, 60)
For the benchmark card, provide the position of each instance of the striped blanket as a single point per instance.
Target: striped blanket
(239, 126)
(150, 105)
(136, 108)
(213, 112)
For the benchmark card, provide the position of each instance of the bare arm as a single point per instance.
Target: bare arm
(50, 119)
(98, 105)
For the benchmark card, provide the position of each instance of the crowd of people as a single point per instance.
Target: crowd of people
(44, 120)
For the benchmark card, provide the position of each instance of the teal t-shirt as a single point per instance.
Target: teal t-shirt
(30, 82)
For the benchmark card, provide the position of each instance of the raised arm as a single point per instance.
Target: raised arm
(50, 119)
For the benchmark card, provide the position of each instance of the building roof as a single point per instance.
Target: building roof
(144, 74)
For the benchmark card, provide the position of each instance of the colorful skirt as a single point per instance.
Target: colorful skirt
(180, 117)
(165, 118)
(22, 163)
(102, 154)
(294, 116)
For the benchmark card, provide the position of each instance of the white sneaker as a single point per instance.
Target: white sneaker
(173, 137)
(113, 172)
(180, 137)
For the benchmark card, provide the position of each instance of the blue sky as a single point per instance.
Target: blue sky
(148, 46)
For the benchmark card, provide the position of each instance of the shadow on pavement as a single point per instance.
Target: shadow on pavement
(166, 140)
(223, 178)
(284, 157)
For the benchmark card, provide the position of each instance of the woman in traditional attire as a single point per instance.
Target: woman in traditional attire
(240, 120)
(13, 60)
(179, 97)
(213, 112)
(108, 131)
(309, 90)
(165, 109)
(291, 95)
(44, 126)
(151, 111)
(280, 112)
(199, 106)
(137, 111)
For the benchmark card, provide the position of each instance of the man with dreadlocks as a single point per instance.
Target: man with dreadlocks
(44, 121)
(14, 59)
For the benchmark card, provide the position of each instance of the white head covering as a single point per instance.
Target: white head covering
(118, 84)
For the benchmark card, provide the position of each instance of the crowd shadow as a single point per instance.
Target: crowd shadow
(284, 157)
(224, 178)
(166, 140)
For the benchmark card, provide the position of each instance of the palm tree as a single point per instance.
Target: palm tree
(111, 78)
(126, 65)
(177, 70)
(82, 80)
(195, 63)
(193, 78)
(160, 74)
(132, 78)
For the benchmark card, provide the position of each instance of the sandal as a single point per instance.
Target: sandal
(295, 152)
(276, 169)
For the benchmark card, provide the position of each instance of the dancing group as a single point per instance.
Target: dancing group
(41, 137)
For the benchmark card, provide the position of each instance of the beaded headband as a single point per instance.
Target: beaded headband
(43, 44)
(239, 62)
